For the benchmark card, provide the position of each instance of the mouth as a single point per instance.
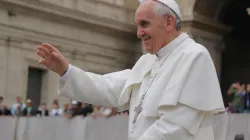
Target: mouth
(145, 38)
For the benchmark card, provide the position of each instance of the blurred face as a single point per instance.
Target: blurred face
(28, 104)
(242, 88)
(66, 106)
(236, 85)
(55, 106)
(248, 87)
(19, 99)
(73, 105)
(152, 29)
(84, 105)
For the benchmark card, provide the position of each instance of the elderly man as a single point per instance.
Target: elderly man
(171, 92)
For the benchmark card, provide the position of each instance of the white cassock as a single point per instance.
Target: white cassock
(179, 87)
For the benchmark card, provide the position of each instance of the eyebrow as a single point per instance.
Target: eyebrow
(141, 22)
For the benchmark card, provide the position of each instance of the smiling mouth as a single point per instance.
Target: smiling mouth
(145, 39)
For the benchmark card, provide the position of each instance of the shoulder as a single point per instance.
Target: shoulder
(194, 49)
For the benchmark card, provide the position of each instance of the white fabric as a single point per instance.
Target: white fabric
(64, 77)
(56, 111)
(98, 90)
(185, 79)
(163, 130)
(106, 111)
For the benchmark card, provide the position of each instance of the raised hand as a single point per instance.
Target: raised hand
(52, 59)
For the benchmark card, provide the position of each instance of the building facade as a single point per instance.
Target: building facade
(96, 35)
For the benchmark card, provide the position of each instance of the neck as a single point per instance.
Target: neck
(172, 37)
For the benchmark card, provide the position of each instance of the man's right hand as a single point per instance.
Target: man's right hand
(52, 59)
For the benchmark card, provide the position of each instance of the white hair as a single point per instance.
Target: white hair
(163, 10)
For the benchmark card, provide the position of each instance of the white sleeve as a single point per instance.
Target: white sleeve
(65, 76)
(176, 123)
(93, 88)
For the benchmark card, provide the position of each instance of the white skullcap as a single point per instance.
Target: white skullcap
(171, 4)
(74, 102)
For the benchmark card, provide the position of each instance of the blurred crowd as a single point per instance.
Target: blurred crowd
(238, 96)
(74, 108)
(238, 101)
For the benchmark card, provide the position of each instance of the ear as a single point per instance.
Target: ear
(170, 24)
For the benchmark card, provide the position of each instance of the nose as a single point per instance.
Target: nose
(140, 32)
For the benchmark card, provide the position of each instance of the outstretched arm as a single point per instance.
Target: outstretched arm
(79, 85)
(93, 88)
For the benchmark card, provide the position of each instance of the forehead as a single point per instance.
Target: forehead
(144, 11)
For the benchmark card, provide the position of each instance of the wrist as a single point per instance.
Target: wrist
(65, 71)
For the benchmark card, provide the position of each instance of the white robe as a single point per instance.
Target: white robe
(178, 104)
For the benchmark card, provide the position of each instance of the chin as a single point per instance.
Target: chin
(147, 48)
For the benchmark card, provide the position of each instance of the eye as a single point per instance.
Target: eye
(144, 23)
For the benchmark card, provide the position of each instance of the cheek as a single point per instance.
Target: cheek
(148, 31)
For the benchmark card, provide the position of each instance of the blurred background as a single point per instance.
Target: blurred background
(100, 36)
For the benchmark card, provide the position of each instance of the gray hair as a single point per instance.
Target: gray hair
(163, 10)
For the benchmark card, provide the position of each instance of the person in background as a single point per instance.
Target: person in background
(67, 111)
(232, 91)
(86, 109)
(18, 103)
(4, 111)
(75, 109)
(247, 100)
(18, 111)
(28, 110)
(43, 110)
(230, 109)
(56, 110)
(96, 111)
(238, 100)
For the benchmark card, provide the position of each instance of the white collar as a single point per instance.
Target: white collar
(169, 48)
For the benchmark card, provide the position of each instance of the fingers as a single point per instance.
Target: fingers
(44, 50)
(50, 47)
(42, 61)
(41, 54)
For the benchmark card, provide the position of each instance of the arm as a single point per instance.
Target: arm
(93, 88)
(176, 123)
